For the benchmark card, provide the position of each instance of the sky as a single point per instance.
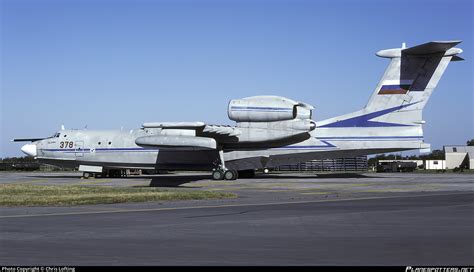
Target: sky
(106, 64)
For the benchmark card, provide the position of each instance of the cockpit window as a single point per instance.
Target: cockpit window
(56, 135)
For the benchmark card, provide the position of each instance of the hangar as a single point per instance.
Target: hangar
(459, 156)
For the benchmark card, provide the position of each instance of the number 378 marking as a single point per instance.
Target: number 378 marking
(66, 144)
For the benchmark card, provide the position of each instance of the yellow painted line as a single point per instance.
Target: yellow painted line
(217, 183)
(217, 206)
(91, 182)
(237, 188)
(365, 184)
(389, 190)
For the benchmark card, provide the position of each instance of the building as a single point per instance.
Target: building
(406, 165)
(435, 164)
(459, 156)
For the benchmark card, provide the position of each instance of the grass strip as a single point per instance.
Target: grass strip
(71, 195)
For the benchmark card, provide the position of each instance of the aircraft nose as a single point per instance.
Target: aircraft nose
(29, 149)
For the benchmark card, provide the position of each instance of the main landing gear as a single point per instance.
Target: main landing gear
(221, 172)
(227, 174)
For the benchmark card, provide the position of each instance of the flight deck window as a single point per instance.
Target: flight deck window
(455, 149)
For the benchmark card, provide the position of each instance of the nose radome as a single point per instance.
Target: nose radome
(29, 149)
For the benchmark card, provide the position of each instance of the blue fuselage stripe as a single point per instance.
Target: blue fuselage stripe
(369, 137)
(322, 139)
(102, 149)
(242, 108)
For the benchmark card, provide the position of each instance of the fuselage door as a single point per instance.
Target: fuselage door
(79, 151)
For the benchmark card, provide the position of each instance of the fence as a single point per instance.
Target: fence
(357, 164)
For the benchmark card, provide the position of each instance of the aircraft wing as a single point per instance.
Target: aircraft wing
(177, 142)
(174, 125)
(187, 135)
(220, 131)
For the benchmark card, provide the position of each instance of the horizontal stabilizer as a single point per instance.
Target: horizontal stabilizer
(27, 139)
(430, 48)
(457, 58)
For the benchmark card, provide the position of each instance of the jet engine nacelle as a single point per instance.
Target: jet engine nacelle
(267, 109)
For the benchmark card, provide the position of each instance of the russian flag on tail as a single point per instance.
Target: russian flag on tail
(395, 87)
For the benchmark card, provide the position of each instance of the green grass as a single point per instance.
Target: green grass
(71, 195)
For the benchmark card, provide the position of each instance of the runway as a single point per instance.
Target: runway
(280, 227)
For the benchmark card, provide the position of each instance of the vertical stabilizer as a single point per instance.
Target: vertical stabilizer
(392, 119)
(410, 79)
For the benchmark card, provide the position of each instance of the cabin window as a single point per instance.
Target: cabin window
(435, 162)
(110, 142)
(65, 135)
(98, 143)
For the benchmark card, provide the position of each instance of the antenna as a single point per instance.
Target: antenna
(62, 127)
(404, 45)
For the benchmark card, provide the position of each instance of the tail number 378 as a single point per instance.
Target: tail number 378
(66, 144)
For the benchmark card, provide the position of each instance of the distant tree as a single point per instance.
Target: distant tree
(18, 159)
(372, 161)
(434, 155)
(470, 142)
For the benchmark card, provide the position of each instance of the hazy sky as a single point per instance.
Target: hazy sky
(112, 64)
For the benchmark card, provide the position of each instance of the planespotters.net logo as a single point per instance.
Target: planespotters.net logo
(439, 269)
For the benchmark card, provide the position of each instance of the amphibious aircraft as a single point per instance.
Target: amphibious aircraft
(269, 130)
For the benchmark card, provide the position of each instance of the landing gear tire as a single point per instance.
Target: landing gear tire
(230, 175)
(217, 175)
(221, 172)
(86, 175)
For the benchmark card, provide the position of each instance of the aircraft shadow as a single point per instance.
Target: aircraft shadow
(316, 176)
(185, 181)
(176, 181)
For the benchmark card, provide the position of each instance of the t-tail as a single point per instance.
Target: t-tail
(394, 110)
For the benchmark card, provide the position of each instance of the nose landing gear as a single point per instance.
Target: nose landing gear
(87, 175)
